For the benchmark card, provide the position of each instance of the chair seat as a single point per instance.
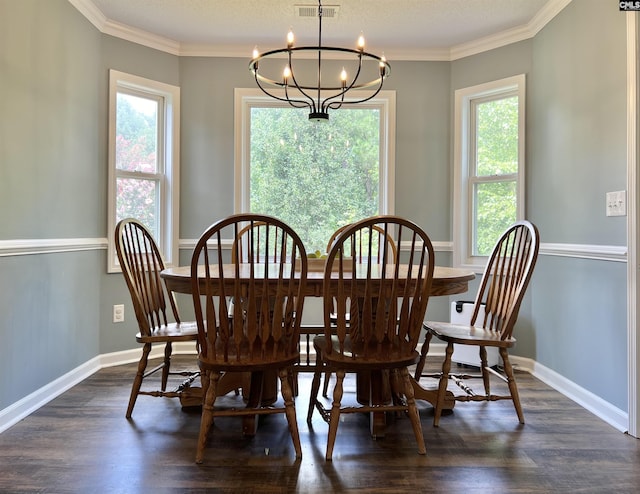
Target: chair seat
(186, 331)
(244, 364)
(226, 358)
(355, 357)
(468, 335)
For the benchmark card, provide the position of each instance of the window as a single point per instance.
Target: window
(143, 159)
(489, 166)
(316, 177)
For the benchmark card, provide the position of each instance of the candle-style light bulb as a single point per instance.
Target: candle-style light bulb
(343, 77)
(286, 74)
(383, 66)
(255, 52)
(290, 39)
(361, 42)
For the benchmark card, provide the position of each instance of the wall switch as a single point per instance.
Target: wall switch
(118, 313)
(617, 203)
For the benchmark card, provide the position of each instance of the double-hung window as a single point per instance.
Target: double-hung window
(316, 177)
(143, 159)
(489, 166)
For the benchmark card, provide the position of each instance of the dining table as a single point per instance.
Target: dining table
(446, 281)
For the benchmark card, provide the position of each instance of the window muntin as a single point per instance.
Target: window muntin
(143, 159)
(315, 177)
(489, 166)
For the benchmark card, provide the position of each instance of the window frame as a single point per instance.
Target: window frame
(168, 166)
(464, 163)
(246, 99)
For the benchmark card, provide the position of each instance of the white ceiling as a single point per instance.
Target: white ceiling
(402, 29)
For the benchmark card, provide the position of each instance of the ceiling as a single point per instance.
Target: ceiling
(402, 29)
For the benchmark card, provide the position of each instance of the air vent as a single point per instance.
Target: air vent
(328, 11)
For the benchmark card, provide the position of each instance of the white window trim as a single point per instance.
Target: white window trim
(169, 184)
(462, 208)
(245, 99)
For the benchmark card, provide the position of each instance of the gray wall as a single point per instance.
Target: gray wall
(53, 180)
(577, 152)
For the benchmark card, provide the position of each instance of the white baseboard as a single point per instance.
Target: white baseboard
(602, 409)
(17, 411)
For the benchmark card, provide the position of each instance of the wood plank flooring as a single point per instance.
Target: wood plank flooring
(82, 443)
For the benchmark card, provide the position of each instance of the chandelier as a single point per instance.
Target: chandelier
(317, 95)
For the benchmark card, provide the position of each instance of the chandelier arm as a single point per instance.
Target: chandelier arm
(301, 89)
(298, 103)
(355, 102)
(328, 102)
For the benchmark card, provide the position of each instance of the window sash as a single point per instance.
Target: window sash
(166, 175)
(246, 99)
(466, 180)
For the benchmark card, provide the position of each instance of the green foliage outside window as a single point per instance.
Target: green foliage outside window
(316, 177)
(495, 197)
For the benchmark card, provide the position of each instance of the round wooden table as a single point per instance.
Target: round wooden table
(446, 281)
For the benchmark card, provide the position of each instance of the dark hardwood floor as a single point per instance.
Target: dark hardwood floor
(81, 443)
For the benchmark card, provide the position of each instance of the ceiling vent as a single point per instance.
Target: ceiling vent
(328, 11)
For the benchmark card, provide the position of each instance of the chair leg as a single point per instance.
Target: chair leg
(444, 381)
(167, 365)
(315, 386)
(207, 413)
(513, 387)
(137, 382)
(423, 356)
(290, 410)
(335, 414)
(325, 385)
(414, 416)
(486, 379)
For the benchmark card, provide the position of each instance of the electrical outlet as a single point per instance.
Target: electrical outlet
(118, 313)
(616, 203)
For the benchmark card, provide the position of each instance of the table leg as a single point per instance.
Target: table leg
(254, 397)
(380, 394)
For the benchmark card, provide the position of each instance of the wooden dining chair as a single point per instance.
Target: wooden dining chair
(262, 332)
(502, 288)
(380, 241)
(141, 263)
(379, 308)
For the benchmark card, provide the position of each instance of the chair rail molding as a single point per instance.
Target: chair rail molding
(24, 247)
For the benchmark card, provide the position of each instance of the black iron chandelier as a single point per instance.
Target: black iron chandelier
(318, 96)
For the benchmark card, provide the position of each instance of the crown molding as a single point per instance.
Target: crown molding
(520, 33)
(118, 30)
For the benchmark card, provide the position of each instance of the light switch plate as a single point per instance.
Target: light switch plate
(617, 203)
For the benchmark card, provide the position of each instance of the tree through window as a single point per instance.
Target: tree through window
(316, 177)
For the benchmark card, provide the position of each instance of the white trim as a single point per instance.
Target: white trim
(583, 251)
(463, 155)
(504, 38)
(247, 98)
(50, 245)
(169, 149)
(144, 38)
(30, 403)
(24, 407)
(633, 317)
(586, 399)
